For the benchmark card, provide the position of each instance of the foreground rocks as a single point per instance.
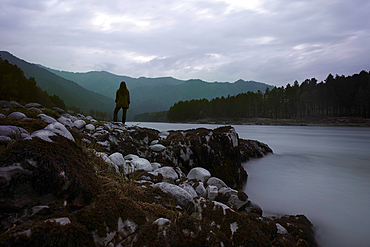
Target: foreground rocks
(69, 180)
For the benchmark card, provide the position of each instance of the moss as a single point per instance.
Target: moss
(105, 210)
(30, 125)
(54, 159)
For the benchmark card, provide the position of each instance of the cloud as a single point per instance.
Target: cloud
(271, 41)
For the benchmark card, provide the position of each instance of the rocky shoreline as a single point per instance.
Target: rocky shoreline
(69, 180)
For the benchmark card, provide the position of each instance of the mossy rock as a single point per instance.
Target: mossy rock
(52, 170)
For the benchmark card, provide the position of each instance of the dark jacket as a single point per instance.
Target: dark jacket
(123, 96)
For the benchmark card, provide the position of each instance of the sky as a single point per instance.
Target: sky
(270, 41)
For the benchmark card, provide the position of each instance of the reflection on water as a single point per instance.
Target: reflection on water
(321, 172)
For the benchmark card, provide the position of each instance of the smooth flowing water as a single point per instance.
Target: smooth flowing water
(321, 172)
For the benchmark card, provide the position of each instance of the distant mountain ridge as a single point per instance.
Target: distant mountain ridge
(158, 94)
(97, 89)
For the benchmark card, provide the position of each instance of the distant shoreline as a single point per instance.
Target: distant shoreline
(335, 121)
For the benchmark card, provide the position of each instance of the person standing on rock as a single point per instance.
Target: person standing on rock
(122, 101)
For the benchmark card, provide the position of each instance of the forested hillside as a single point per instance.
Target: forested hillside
(14, 86)
(338, 96)
(70, 92)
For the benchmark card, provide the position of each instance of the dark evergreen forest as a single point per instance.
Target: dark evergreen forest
(14, 86)
(337, 96)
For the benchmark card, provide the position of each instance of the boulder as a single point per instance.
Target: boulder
(216, 150)
(33, 105)
(189, 189)
(13, 132)
(79, 124)
(4, 104)
(212, 192)
(157, 147)
(199, 188)
(15, 104)
(59, 110)
(53, 129)
(17, 115)
(65, 121)
(199, 174)
(168, 173)
(253, 149)
(181, 196)
(90, 127)
(216, 182)
(140, 164)
(46, 118)
(118, 161)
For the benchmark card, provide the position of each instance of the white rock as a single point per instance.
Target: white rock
(157, 147)
(189, 189)
(199, 173)
(31, 105)
(164, 134)
(162, 223)
(117, 158)
(154, 142)
(131, 157)
(126, 228)
(46, 118)
(104, 156)
(201, 191)
(16, 104)
(141, 164)
(178, 194)
(156, 165)
(212, 192)
(281, 229)
(79, 124)
(234, 227)
(59, 129)
(2, 116)
(63, 221)
(17, 115)
(66, 121)
(5, 139)
(90, 127)
(13, 132)
(43, 134)
(216, 182)
(167, 172)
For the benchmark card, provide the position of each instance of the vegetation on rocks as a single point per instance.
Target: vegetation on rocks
(101, 187)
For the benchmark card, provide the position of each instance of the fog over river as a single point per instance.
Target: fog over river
(321, 172)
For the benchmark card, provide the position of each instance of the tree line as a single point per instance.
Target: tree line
(338, 96)
(14, 86)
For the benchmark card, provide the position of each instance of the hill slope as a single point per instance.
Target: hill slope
(71, 92)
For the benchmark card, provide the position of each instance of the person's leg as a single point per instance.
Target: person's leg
(116, 110)
(124, 115)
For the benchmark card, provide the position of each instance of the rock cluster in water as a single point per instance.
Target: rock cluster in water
(69, 180)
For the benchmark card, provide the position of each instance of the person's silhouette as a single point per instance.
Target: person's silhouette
(122, 101)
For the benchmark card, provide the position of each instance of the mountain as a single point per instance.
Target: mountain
(158, 94)
(70, 92)
(97, 89)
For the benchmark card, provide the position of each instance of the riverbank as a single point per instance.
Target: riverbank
(335, 121)
(68, 180)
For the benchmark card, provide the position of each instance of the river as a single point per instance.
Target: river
(321, 172)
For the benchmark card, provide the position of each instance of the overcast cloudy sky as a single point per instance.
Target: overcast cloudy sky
(270, 41)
